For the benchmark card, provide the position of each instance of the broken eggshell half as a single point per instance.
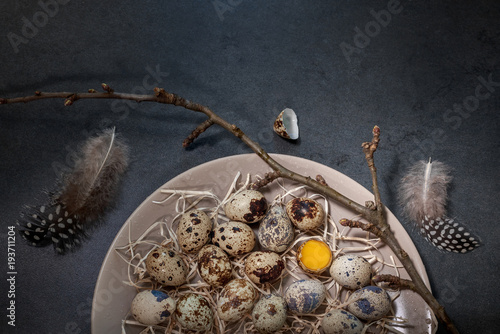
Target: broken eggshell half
(286, 124)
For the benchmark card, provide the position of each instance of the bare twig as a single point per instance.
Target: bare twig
(162, 96)
(196, 132)
(369, 148)
(268, 178)
(365, 227)
(395, 282)
(374, 214)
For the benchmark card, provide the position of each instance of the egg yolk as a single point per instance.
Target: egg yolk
(315, 255)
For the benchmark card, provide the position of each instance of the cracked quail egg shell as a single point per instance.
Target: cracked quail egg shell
(305, 296)
(264, 267)
(305, 213)
(235, 238)
(372, 303)
(151, 307)
(269, 313)
(286, 124)
(214, 266)
(248, 206)
(351, 271)
(340, 321)
(276, 231)
(235, 300)
(194, 312)
(193, 231)
(166, 267)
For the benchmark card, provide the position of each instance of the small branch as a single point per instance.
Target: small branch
(196, 132)
(162, 96)
(395, 282)
(369, 149)
(369, 227)
(78, 96)
(268, 178)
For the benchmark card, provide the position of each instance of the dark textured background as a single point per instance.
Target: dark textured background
(247, 63)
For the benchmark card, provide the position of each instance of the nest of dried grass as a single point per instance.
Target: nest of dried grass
(336, 236)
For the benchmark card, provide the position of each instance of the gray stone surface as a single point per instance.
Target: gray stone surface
(417, 74)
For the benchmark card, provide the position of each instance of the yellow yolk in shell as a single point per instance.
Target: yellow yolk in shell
(315, 255)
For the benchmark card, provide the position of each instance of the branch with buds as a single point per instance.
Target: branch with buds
(373, 213)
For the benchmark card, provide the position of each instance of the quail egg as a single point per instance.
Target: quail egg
(166, 267)
(269, 314)
(264, 267)
(194, 230)
(236, 238)
(194, 312)
(214, 266)
(235, 300)
(248, 206)
(151, 307)
(276, 231)
(372, 303)
(305, 213)
(351, 271)
(305, 296)
(339, 321)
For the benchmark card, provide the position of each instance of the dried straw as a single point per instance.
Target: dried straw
(136, 251)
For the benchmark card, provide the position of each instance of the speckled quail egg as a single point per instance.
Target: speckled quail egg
(194, 312)
(264, 267)
(276, 231)
(339, 321)
(166, 267)
(235, 300)
(372, 303)
(269, 314)
(351, 271)
(214, 266)
(305, 213)
(194, 230)
(248, 206)
(151, 307)
(235, 238)
(305, 296)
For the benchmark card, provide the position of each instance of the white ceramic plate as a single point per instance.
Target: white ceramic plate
(112, 298)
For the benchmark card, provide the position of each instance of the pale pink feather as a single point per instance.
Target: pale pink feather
(423, 190)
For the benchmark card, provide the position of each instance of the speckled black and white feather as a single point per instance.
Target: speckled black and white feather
(423, 194)
(51, 223)
(83, 196)
(446, 234)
